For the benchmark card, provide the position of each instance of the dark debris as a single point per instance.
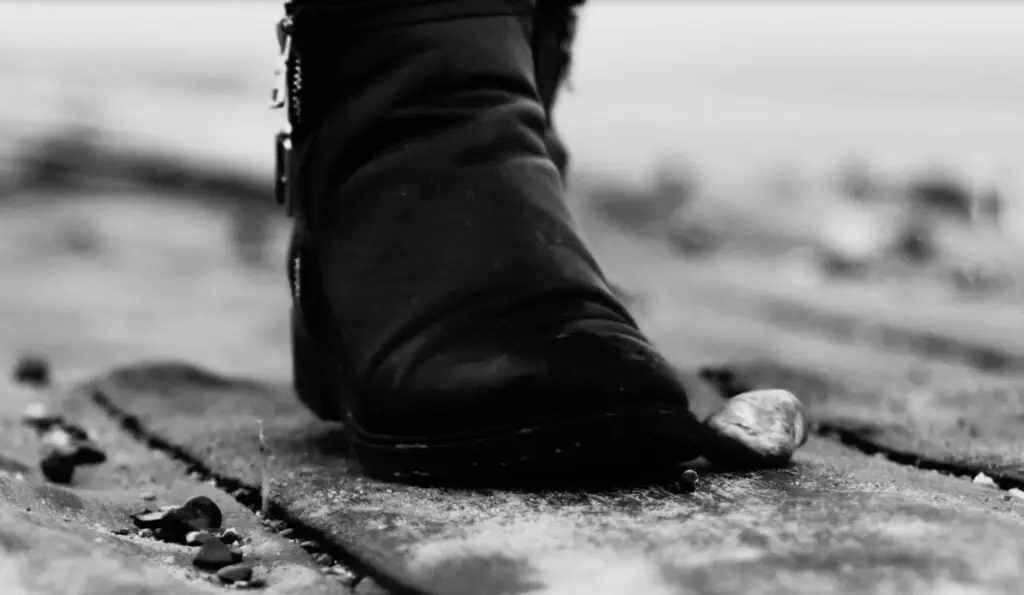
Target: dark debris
(33, 370)
(214, 555)
(62, 451)
(176, 524)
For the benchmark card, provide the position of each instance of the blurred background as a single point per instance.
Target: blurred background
(761, 179)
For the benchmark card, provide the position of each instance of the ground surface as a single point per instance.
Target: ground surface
(914, 388)
(836, 521)
(934, 382)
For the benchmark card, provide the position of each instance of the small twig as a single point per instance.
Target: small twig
(264, 471)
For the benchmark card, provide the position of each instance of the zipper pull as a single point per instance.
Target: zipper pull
(279, 95)
(282, 167)
(279, 98)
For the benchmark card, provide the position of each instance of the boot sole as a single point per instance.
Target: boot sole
(621, 445)
(628, 443)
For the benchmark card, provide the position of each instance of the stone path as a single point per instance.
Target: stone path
(935, 386)
(966, 427)
(836, 521)
(79, 538)
(920, 378)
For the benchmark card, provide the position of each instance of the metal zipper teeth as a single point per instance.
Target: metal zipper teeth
(295, 88)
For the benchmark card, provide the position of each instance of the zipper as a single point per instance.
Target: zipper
(295, 88)
(288, 74)
(286, 95)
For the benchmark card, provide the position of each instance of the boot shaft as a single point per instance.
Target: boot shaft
(339, 49)
(422, 177)
(375, 73)
(552, 31)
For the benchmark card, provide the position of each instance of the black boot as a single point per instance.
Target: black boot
(445, 307)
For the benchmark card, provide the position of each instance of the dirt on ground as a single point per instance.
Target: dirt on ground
(896, 375)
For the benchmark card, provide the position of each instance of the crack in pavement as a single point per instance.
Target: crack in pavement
(721, 377)
(984, 358)
(434, 538)
(277, 519)
(1006, 478)
(729, 383)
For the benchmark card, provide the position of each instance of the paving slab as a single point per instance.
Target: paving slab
(706, 312)
(968, 425)
(78, 538)
(836, 521)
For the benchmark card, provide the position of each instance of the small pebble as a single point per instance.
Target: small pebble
(38, 417)
(87, 453)
(309, 545)
(172, 524)
(230, 535)
(340, 571)
(367, 586)
(58, 437)
(214, 555)
(61, 451)
(235, 573)
(147, 496)
(146, 534)
(275, 525)
(56, 463)
(204, 511)
(984, 480)
(149, 518)
(33, 370)
(323, 559)
(239, 493)
(287, 533)
(197, 537)
(1016, 492)
(761, 428)
(690, 477)
(241, 584)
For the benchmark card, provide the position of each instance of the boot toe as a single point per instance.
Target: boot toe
(593, 393)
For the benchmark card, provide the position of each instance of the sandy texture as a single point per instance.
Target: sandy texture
(971, 423)
(74, 540)
(835, 522)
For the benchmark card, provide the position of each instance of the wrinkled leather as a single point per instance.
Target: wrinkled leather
(440, 267)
